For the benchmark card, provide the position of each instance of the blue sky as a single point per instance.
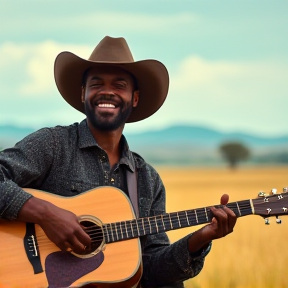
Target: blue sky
(227, 60)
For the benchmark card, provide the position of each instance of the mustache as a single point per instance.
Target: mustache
(107, 96)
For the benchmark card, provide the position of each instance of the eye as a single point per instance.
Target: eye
(95, 84)
(120, 85)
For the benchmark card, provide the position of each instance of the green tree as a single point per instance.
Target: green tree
(234, 152)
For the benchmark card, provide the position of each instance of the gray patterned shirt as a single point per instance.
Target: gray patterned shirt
(66, 160)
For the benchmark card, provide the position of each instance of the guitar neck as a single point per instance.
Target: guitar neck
(125, 230)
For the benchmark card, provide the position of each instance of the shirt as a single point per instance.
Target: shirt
(66, 160)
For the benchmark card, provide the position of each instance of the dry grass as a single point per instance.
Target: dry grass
(255, 254)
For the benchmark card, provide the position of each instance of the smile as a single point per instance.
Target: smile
(106, 105)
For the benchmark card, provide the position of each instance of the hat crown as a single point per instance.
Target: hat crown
(112, 50)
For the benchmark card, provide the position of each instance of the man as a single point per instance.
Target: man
(111, 89)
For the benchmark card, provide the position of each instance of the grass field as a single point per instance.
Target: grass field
(254, 255)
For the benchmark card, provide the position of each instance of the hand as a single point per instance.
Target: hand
(223, 222)
(60, 226)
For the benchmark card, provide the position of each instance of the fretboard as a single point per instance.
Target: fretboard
(124, 230)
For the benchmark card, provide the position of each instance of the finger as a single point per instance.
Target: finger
(83, 237)
(224, 199)
(76, 245)
(232, 218)
(222, 222)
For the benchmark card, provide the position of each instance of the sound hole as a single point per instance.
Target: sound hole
(96, 235)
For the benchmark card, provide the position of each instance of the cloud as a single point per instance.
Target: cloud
(250, 96)
(229, 95)
(34, 62)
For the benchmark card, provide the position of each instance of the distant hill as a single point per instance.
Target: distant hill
(183, 144)
(199, 145)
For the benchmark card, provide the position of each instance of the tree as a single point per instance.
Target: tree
(234, 152)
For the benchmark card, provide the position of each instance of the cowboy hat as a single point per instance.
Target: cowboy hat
(151, 75)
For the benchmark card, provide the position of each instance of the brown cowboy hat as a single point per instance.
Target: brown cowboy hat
(151, 75)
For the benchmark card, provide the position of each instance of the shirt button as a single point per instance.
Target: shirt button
(112, 180)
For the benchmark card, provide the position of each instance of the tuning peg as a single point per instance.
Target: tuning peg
(261, 194)
(285, 189)
(267, 222)
(273, 191)
(278, 220)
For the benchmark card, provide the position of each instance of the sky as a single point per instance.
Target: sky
(227, 60)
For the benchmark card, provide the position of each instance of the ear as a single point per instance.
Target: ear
(135, 98)
(83, 94)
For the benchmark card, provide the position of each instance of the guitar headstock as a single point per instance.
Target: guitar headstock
(273, 205)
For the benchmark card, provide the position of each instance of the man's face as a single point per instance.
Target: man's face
(108, 97)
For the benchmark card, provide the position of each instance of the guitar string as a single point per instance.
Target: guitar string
(136, 226)
(112, 232)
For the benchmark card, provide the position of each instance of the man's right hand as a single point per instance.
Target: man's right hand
(61, 226)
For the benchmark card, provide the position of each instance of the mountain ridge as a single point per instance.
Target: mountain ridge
(178, 144)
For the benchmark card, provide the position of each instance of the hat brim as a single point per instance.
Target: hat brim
(151, 75)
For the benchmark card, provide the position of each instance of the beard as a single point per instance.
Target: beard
(107, 122)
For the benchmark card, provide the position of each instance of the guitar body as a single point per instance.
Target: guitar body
(119, 265)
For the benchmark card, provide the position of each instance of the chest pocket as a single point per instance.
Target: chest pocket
(72, 187)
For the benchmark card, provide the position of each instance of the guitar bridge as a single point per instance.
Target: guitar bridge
(31, 248)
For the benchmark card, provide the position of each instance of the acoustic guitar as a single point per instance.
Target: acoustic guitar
(30, 259)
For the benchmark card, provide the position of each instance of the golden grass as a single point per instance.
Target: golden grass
(254, 255)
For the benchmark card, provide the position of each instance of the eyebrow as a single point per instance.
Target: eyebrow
(115, 79)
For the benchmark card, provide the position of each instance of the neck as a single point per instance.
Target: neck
(109, 141)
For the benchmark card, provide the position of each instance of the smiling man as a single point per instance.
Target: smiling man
(111, 89)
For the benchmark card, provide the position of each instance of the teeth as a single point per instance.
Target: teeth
(105, 105)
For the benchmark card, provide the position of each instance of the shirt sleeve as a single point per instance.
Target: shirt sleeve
(24, 165)
(165, 263)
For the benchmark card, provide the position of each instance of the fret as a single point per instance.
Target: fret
(127, 235)
(183, 219)
(136, 222)
(245, 207)
(206, 214)
(107, 233)
(115, 230)
(164, 228)
(131, 228)
(196, 216)
(143, 225)
(238, 208)
(155, 218)
(111, 229)
(188, 222)
(178, 219)
(169, 215)
(201, 215)
(120, 224)
(149, 224)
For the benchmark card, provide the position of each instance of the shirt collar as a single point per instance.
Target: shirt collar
(86, 140)
(127, 156)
